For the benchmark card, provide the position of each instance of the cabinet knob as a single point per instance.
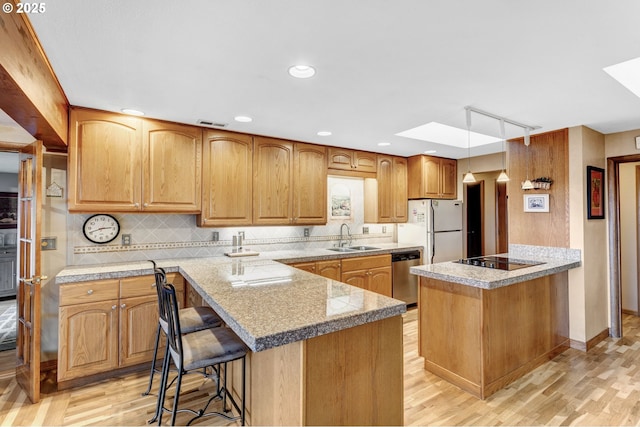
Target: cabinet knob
(146, 205)
(123, 305)
(113, 307)
(90, 292)
(137, 205)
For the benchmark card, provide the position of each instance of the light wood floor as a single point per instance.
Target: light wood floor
(601, 387)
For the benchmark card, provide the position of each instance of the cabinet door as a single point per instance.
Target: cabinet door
(358, 278)
(448, 175)
(172, 166)
(400, 195)
(365, 161)
(7, 276)
(431, 177)
(272, 186)
(380, 280)
(227, 179)
(329, 269)
(138, 325)
(340, 158)
(309, 184)
(385, 194)
(88, 339)
(306, 266)
(104, 168)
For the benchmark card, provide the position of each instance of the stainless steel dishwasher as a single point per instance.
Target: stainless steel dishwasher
(405, 284)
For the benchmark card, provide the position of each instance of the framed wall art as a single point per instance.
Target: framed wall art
(595, 193)
(536, 203)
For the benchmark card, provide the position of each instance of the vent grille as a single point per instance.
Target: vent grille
(212, 124)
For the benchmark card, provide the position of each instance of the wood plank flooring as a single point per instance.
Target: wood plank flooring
(601, 387)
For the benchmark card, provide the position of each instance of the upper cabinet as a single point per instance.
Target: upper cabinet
(289, 183)
(227, 179)
(432, 177)
(343, 161)
(119, 163)
(386, 196)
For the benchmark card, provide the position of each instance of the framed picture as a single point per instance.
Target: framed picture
(8, 210)
(536, 203)
(595, 193)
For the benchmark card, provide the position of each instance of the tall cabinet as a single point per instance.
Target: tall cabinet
(386, 196)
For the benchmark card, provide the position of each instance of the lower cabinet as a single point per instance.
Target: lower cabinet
(108, 324)
(330, 269)
(7, 272)
(372, 273)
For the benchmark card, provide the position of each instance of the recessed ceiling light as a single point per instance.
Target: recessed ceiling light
(302, 71)
(627, 74)
(324, 133)
(447, 135)
(132, 112)
(383, 144)
(430, 151)
(243, 119)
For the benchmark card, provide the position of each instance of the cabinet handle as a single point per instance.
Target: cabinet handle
(90, 292)
(137, 205)
(146, 205)
(113, 307)
(123, 305)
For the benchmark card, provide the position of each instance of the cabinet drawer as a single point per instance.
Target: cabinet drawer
(363, 263)
(142, 286)
(80, 293)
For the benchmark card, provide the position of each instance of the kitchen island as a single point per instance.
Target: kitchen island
(322, 352)
(482, 328)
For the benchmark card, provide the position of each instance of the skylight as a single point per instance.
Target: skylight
(627, 74)
(447, 135)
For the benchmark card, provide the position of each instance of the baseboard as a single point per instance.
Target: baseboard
(631, 312)
(586, 346)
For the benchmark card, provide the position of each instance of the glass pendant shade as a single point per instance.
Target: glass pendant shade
(527, 185)
(503, 177)
(468, 177)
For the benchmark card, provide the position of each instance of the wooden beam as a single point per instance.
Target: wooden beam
(30, 91)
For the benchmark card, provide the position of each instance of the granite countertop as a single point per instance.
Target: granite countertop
(265, 302)
(554, 260)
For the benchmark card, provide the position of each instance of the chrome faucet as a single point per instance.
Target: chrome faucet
(340, 242)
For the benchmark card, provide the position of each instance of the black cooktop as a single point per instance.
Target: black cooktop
(498, 262)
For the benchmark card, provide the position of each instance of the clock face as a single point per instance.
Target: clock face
(101, 228)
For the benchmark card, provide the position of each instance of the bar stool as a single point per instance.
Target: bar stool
(193, 318)
(213, 347)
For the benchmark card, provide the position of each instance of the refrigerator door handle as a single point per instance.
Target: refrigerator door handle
(433, 233)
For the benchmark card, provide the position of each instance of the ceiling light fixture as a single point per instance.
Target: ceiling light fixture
(243, 119)
(503, 177)
(430, 152)
(468, 177)
(324, 133)
(302, 71)
(132, 112)
(384, 144)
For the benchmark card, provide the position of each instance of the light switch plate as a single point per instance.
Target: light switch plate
(48, 243)
(638, 142)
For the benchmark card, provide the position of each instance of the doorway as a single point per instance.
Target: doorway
(475, 219)
(8, 256)
(502, 220)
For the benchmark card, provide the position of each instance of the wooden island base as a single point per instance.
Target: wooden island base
(349, 377)
(481, 339)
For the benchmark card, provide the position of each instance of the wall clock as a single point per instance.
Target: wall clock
(101, 228)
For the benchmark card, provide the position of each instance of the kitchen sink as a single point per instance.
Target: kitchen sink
(341, 249)
(363, 248)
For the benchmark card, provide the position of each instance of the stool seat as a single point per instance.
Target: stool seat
(194, 319)
(210, 347)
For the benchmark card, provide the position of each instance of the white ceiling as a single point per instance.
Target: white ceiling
(382, 66)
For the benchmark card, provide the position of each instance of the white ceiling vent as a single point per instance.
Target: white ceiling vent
(212, 124)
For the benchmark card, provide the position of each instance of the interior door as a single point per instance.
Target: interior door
(29, 277)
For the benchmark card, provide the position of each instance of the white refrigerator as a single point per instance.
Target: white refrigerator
(436, 225)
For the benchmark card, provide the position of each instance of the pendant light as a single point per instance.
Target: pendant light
(468, 177)
(527, 185)
(503, 177)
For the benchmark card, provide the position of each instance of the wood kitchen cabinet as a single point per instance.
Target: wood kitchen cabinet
(341, 160)
(330, 269)
(119, 163)
(227, 179)
(106, 325)
(289, 183)
(372, 273)
(432, 177)
(386, 196)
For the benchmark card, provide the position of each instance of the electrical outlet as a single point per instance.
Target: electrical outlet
(216, 236)
(241, 234)
(365, 230)
(306, 232)
(384, 229)
(126, 240)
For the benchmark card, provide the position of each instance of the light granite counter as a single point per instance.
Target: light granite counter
(265, 302)
(554, 260)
